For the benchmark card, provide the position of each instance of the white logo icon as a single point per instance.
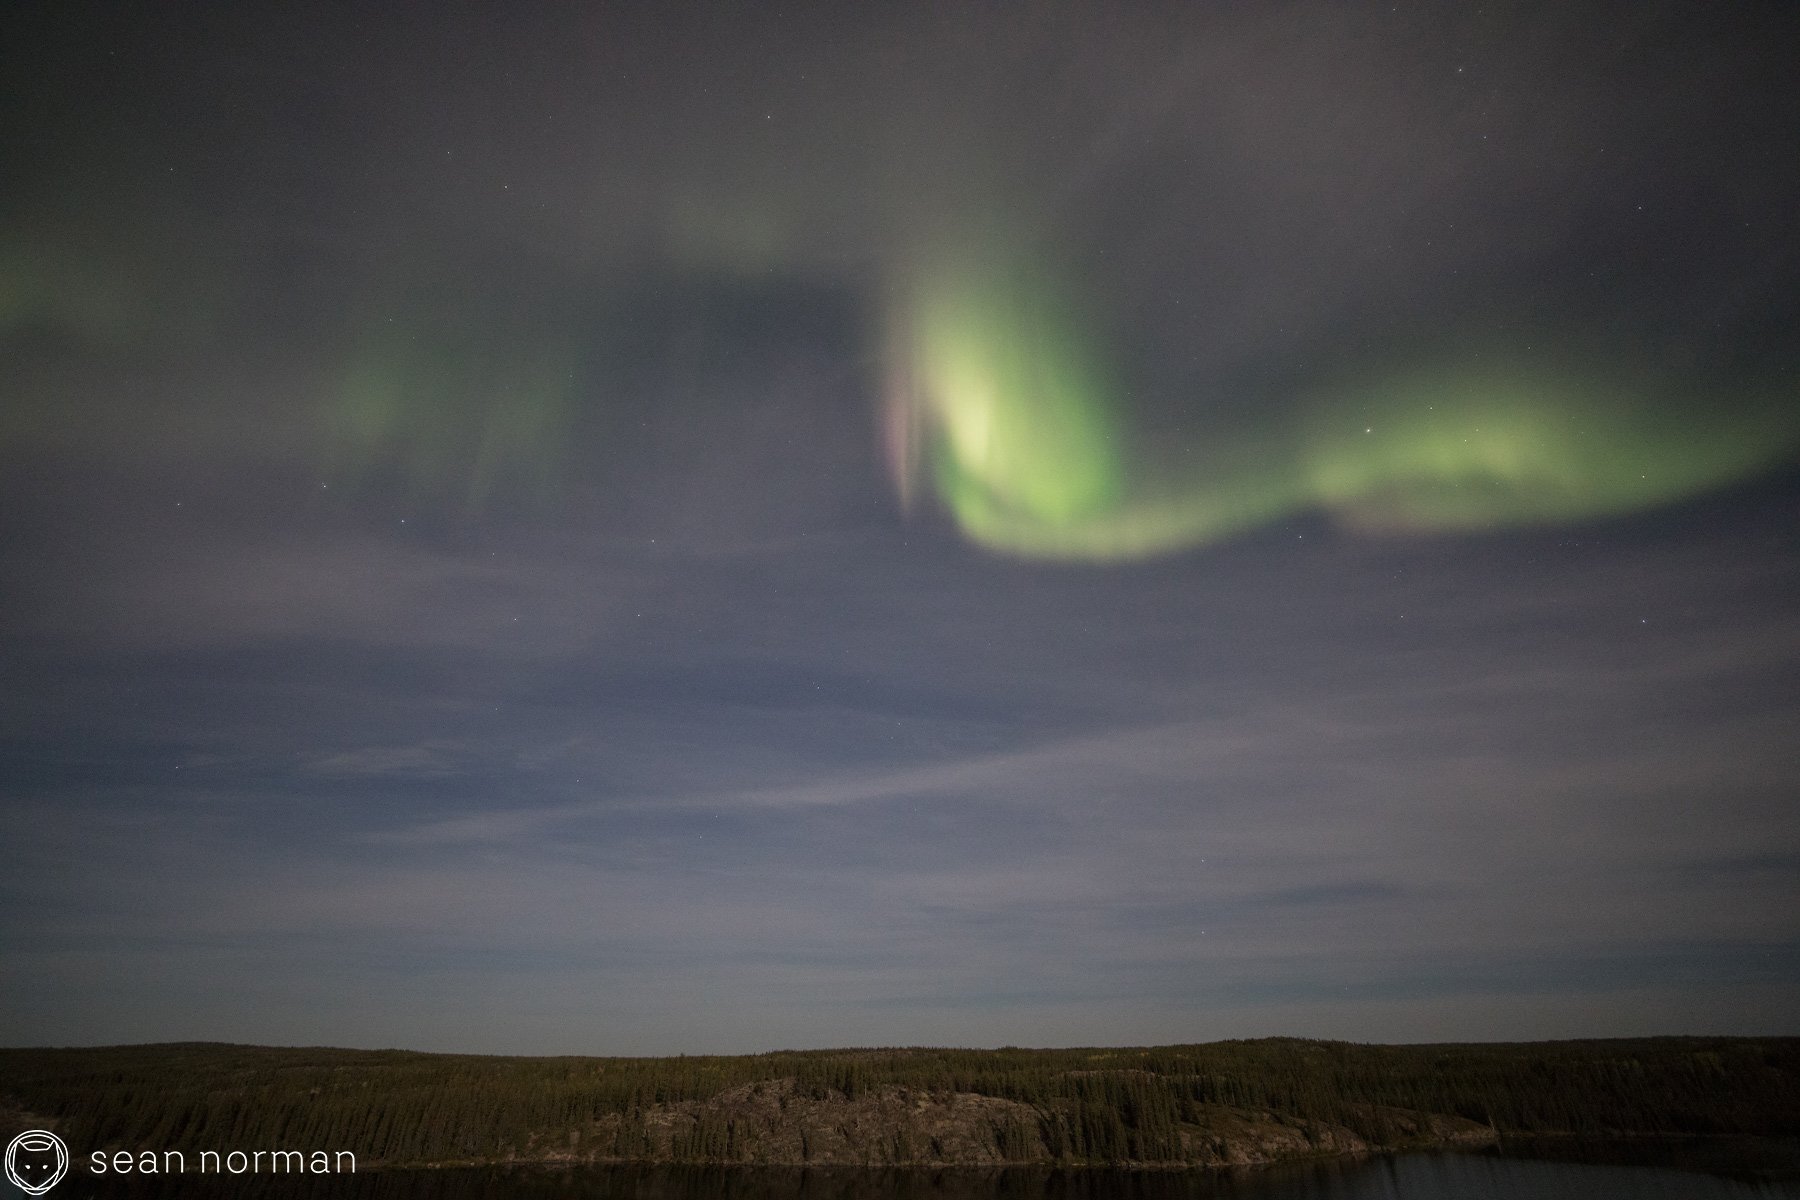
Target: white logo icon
(36, 1160)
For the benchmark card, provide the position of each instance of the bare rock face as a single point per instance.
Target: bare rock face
(1230, 1137)
(1233, 1137)
(779, 1123)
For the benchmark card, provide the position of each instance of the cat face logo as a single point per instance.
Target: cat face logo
(36, 1160)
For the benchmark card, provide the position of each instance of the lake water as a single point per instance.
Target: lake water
(1765, 1172)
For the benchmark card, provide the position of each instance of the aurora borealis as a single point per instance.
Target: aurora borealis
(1010, 413)
(604, 530)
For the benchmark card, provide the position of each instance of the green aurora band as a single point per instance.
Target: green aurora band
(446, 414)
(1007, 409)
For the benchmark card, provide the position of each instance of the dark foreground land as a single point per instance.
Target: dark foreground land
(1219, 1104)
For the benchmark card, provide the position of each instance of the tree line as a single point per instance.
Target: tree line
(1096, 1105)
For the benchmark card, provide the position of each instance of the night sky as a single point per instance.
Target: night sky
(651, 529)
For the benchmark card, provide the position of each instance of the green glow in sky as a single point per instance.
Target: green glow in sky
(464, 415)
(1018, 405)
(1006, 409)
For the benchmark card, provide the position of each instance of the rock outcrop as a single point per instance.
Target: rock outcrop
(777, 1122)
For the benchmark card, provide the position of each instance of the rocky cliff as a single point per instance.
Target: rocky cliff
(777, 1122)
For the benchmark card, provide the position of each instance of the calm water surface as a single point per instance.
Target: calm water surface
(1443, 1176)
